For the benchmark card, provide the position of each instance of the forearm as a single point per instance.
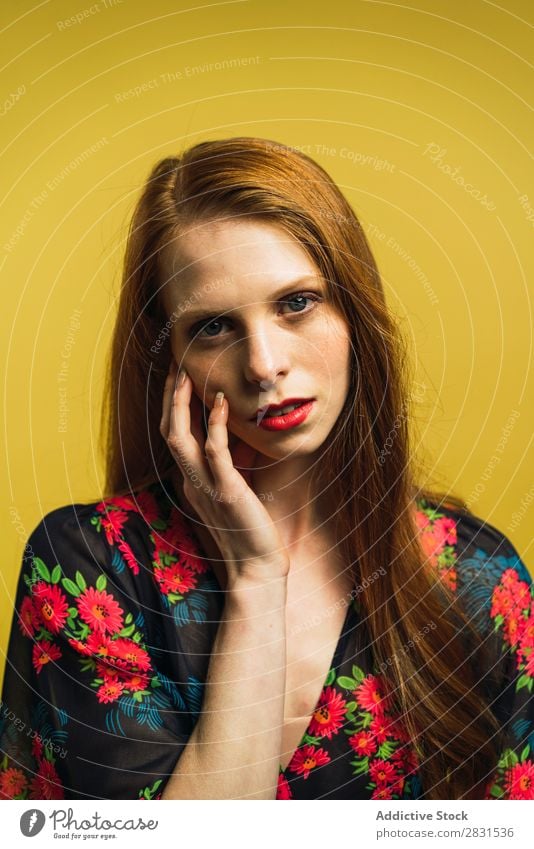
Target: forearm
(234, 750)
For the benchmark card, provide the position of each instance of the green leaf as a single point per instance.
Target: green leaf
(129, 618)
(524, 753)
(137, 637)
(70, 586)
(80, 580)
(499, 619)
(331, 677)
(42, 569)
(127, 632)
(385, 750)
(496, 791)
(346, 682)
(358, 674)
(101, 582)
(56, 574)
(350, 707)
(360, 765)
(522, 682)
(155, 682)
(311, 741)
(174, 597)
(508, 759)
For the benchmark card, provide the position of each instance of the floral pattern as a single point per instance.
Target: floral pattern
(361, 707)
(114, 652)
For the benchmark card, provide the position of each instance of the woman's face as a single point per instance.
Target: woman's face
(251, 318)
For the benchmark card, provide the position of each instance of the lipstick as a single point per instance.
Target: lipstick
(288, 420)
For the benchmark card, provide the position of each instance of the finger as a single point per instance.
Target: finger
(216, 445)
(183, 446)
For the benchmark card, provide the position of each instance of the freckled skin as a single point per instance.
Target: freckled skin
(265, 348)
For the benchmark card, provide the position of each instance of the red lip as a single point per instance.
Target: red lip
(267, 408)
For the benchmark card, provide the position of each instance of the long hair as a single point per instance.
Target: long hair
(366, 464)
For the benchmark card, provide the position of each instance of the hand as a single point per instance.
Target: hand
(222, 497)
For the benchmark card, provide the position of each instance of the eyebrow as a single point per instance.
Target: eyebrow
(199, 314)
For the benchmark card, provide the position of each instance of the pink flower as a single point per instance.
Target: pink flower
(382, 792)
(283, 791)
(99, 644)
(175, 579)
(28, 618)
(46, 784)
(519, 781)
(12, 783)
(100, 610)
(307, 758)
(383, 727)
(432, 544)
(116, 503)
(514, 628)
(405, 759)
(445, 530)
(382, 772)
(449, 577)
(134, 681)
(363, 743)
(51, 606)
(134, 656)
(421, 519)
(112, 522)
(44, 652)
(109, 691)
(328, 717)
(129, 556)
(79, 646)
(502, 601)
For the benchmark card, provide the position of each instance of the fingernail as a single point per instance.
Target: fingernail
(181, 376)
(219, 399)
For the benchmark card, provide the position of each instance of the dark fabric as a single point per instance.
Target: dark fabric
(116, 612)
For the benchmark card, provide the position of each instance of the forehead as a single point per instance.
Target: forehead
(225, 262)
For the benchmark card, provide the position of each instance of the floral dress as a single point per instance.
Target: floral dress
(116, 612)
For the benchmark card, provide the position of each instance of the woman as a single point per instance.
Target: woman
(263, 606)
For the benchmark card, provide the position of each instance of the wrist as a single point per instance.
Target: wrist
(251, 592)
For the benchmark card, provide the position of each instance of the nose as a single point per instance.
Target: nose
(265, 359)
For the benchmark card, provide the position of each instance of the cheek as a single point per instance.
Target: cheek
(332, 349)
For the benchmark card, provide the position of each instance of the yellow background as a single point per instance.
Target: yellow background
(88, 105)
